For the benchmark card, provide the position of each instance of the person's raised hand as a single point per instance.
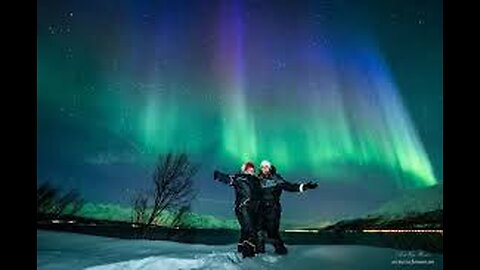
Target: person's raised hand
(310, 185)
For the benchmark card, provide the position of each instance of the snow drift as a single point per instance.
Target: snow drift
(56, 250)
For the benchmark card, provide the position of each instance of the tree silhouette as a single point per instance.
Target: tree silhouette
(52, 204)
(140, 202)
(172, 191)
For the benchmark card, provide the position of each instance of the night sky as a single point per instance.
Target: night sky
(347, 93)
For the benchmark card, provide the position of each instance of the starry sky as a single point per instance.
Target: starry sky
(347, 93)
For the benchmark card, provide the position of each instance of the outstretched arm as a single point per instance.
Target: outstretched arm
(288, 186)
(223, 177)
(295, 187)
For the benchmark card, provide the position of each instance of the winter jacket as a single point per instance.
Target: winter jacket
(248, 190)
(273, 185)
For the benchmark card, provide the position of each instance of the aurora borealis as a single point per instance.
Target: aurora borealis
(308, 85)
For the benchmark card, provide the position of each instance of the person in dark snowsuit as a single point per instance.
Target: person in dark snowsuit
(270, 208)
(247, 195)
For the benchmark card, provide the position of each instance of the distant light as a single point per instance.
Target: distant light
(71, 221)
(402, 231)
(56, 221)
(300, 231)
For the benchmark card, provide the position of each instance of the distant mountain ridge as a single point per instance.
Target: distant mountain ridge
(413, 209)
(414, 201)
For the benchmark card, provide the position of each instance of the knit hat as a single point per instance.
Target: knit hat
(266, 163)
(247, 165)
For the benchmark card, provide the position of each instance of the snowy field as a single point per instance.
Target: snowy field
(57, 250)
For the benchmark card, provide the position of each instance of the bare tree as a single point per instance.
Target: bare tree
(46, 198)
(140, 202)
(179, 217)
(69, 199)
(172, 190)
(77, 205)
(51, 203)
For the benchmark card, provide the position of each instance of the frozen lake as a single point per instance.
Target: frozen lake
(59, 250)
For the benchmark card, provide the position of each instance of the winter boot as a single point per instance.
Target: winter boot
(248, 249)
(239, 247)
(280, 249)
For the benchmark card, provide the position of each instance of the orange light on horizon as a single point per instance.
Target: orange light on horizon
(402, 231)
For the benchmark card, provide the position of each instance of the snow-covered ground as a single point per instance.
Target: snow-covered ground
(57, 250)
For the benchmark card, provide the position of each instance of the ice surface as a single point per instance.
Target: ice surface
(56, 250)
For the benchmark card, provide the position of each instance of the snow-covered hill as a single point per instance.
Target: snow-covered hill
(413, 201)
